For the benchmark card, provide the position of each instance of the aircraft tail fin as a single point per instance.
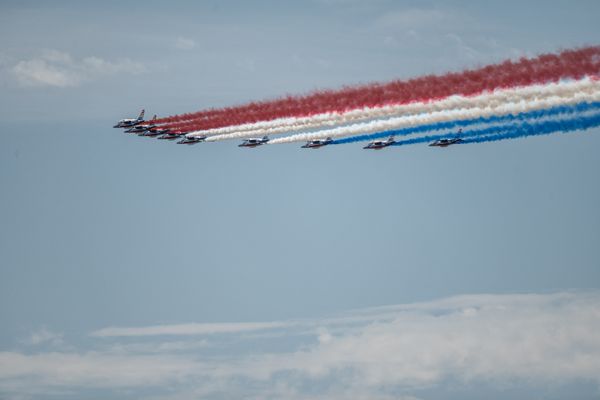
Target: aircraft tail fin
(141, 116)
(153, 118)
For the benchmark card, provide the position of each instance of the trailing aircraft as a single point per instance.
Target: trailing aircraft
(380, 144)
(154, 131)
(192, 140)
(445, 142)
(254, 142)
(448, 142)
(171, 135)
(315, 144)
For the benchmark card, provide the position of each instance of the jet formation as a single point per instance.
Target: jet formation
(149, 129)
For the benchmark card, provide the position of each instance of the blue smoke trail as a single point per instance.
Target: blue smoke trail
(545, 128)
(513, 130)
(577, 108)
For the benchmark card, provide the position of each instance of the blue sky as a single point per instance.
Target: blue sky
(132, 268)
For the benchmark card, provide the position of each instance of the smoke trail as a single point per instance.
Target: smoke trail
(442, 116)
(498, 97)
(544, 68)
(546, 129)
(545, 113)
(522, 129)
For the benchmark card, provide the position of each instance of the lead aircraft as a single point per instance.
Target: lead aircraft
(129, 122)
(142, 126)
(254, 142)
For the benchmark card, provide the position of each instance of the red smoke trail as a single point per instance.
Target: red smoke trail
(542, 69)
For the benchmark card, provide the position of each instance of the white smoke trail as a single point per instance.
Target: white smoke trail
(374, 112)
(286, 125)
(442, 116)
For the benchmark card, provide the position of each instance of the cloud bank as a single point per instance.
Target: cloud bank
(527, 341)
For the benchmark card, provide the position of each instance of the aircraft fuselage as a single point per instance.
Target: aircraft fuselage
(445, 142)
(315, 144)
(192, 140)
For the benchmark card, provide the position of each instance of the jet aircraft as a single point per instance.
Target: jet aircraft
(142, 126)
(380, 144)
(315, 144)
(447, 142)
(254, 142)
(154, 131)
(129, 122)
(171, 135)
(192, 140)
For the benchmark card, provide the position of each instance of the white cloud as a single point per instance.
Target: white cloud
(183, 43)
(174, 347)
(39, 72)
(94, 369)
(97, 66)
(59, 69)
(56, 56)
(44, 336)
(188, 329)
(379, 353)
(508, 339)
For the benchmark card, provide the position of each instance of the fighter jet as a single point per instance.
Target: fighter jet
(137, 129)
(171, 135)
(315, 144)
(380, 144)
(154, 131)
(254, 142)
(129, 122)
(142, 126)
(192, 140)
(447, 142)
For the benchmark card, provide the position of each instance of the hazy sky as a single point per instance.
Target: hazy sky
(131, 268)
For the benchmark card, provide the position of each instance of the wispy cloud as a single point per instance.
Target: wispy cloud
(59, 69)
(44, 336)
(377, 353)
(187, 329)
(184, 43)
(446, 33)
